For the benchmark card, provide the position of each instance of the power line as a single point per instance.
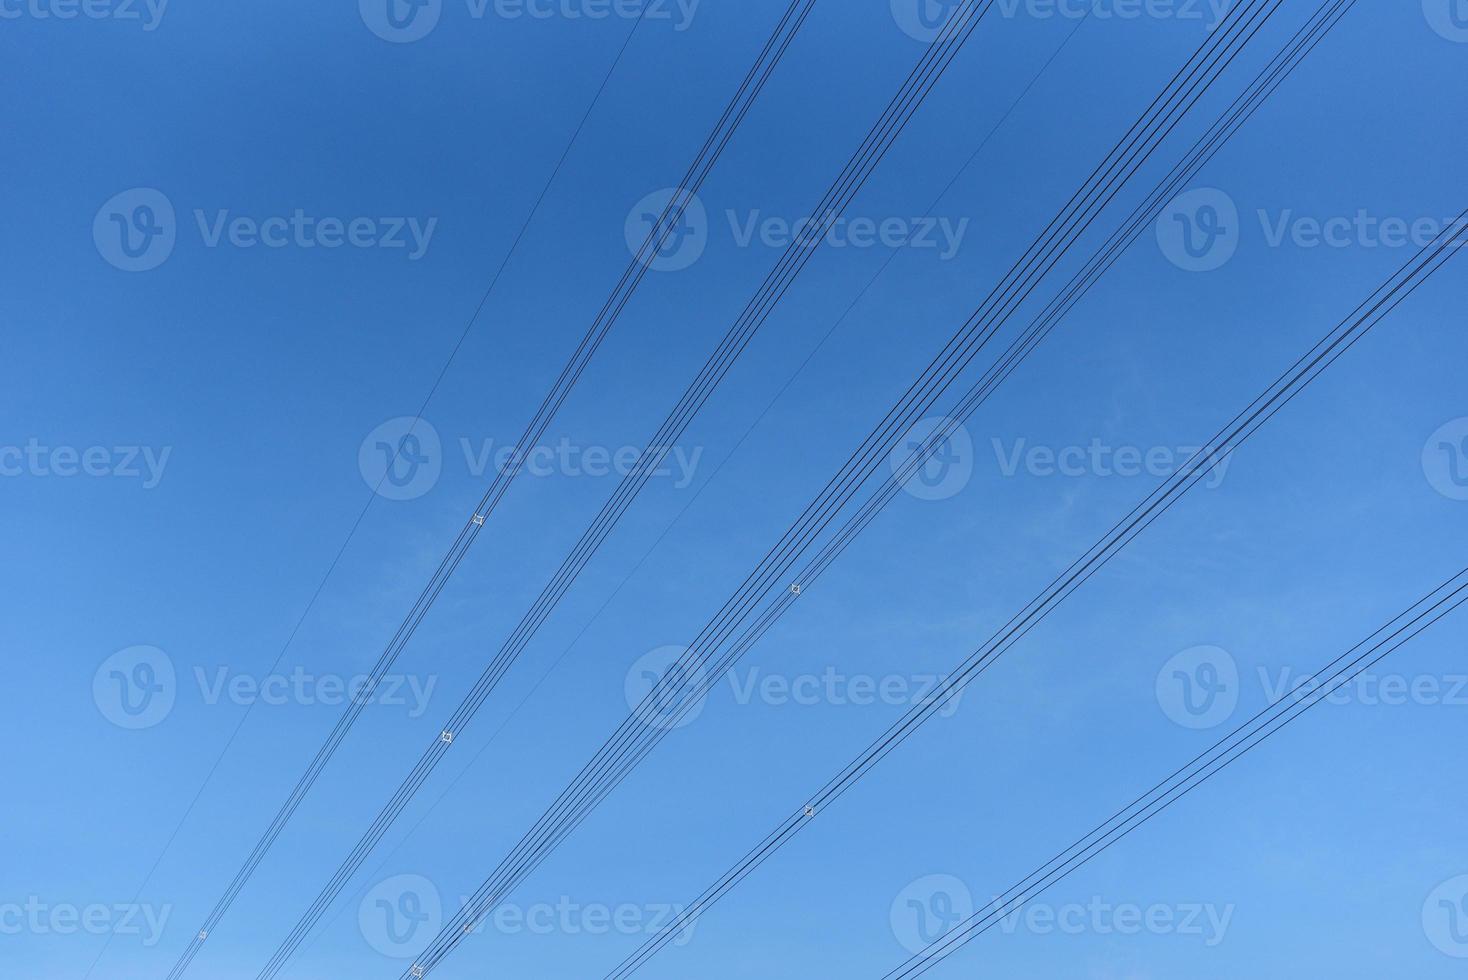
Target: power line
(1437, 604)
(1157, 503)
(640, 730)
(739, 443)
(372, 496)
(713, 147)
(587, 790)
(869, 154)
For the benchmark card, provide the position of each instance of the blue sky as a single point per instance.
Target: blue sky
(214, 412)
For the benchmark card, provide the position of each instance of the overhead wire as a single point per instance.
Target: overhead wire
(1436, 605)
(1205, 461)
(657, 236)
(610, 763)
(894, 119)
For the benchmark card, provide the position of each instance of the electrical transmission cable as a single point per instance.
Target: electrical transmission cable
(341, 549)
(1274, 74)
(1421, 616)
(642, 729)
(488, 743)
(868, 156)
(1223, 444)
(667, 223)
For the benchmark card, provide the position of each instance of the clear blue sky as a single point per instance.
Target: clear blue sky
(213, 412)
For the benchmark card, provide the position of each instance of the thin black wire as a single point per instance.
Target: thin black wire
(708, 155)
(1208, 458)
(372, 496)
(869, 155)
(1189, 777)
(671, 691)
(830, 331)
(965, 25)
(660, 697)
(598, 789)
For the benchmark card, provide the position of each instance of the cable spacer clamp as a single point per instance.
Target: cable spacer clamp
(446, 737)
(795, 589)
(479, 519)
(417, 971)
(810, 811)
(203, 934)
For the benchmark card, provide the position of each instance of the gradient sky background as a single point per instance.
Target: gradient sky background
(262, 371)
